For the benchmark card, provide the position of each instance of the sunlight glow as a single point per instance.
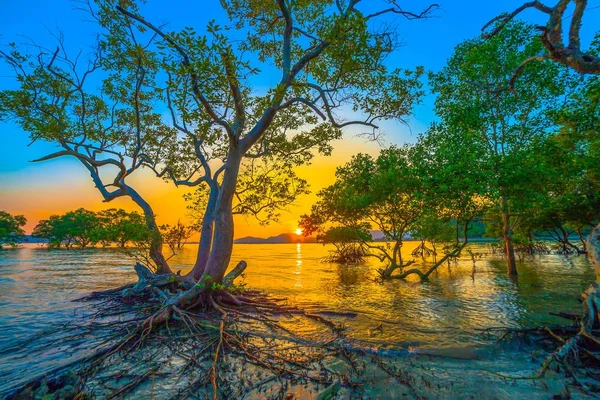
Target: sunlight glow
(298, 231)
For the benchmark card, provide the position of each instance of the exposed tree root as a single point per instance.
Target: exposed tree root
(425, 275)
(423, 251)
(227, 343)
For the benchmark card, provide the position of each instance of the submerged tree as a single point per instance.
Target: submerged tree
(505, 131)
(121, 228)
(176, 236)
(11, 228)
(403, 191)
(72, 228)
(453, 200)
(349, 244)
(382, 194)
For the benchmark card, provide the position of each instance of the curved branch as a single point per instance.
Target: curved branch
(507, 17)
(307, 102)
(328, 108)
(426, 13)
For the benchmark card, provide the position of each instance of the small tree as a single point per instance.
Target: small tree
(176, 236)
(54, 230)
(120, 227)
(11, 228)
(382, 194)
(348, 243)
(80, 225)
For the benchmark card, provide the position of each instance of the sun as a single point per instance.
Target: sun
(298, 231)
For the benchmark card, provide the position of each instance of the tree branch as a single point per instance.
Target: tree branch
(186, 62)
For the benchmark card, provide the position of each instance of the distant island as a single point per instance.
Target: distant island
(283, 238)
(376, 235)
(294, 238)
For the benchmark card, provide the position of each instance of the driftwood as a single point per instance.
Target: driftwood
(148, 278)
(593, 247)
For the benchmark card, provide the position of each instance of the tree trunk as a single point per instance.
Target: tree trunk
(206, 235)
(395, 260)
(156, 241)
(507, 235)
(222, 243)
(582, 239)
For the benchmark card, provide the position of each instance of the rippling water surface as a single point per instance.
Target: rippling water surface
(442, 316)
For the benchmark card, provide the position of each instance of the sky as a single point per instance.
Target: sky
(38, 190)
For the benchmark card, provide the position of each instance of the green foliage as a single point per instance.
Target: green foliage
(72, 228)
(418, 189)
(85, 228)
(11, 228)
(502, 136)
(383, 194)
(120, 227)
(571, 203)
(344, 234)
(433, 228)
(330, 48)
(265, 187)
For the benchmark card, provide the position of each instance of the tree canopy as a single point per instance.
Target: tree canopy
(11, 228)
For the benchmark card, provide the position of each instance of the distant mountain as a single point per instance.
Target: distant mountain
(377, 235)
(283, 238)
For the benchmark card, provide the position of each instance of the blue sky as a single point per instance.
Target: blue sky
(426, 42)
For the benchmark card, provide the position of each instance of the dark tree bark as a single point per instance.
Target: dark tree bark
(569, 54)
(508, 240)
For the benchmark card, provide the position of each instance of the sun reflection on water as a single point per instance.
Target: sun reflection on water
(298, 270)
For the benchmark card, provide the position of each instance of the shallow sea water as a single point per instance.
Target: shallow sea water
(438, 323)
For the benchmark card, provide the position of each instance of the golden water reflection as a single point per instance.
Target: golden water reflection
(440, 316)
(446, 311)
(442, 312)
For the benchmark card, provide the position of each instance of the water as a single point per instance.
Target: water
(443, 316)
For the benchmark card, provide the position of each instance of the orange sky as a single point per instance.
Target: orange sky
(42, 189)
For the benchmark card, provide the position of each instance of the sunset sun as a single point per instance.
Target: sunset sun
(298, 231)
